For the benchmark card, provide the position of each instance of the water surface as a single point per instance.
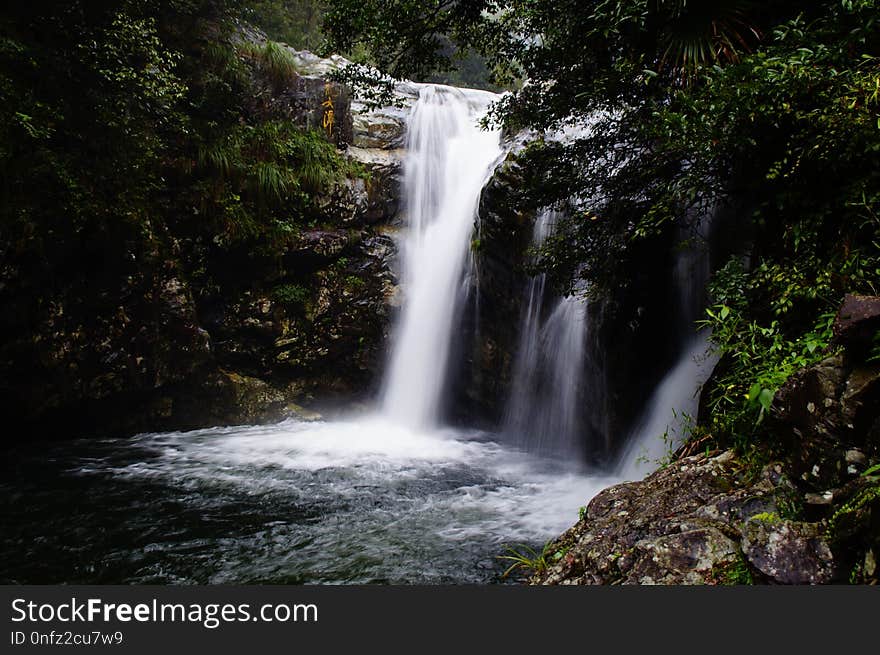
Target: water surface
(361, 501)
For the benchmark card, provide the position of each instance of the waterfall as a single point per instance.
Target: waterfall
(669, 412)
(544, 406)
(674, 404)
(449, 159)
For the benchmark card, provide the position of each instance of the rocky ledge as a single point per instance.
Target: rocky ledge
(695, 521)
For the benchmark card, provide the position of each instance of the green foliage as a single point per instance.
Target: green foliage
(291, 294)
(757, 359)
(354, 283)
(527, 559)
(874, 355)
(127, 125)
(682, 426)
(770, 518)
(839, 520)
(698, 34)
(267, 174)
(734, 573)
(89, 102)
(405, 38)
(796, 125)
(295, 22)
(273, 59)
(272, 161)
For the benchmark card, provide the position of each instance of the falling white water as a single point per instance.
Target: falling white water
(543, 410)
(672, 409)
(449, 159)
(670, 412)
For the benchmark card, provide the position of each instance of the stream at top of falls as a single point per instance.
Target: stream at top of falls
(389, 497)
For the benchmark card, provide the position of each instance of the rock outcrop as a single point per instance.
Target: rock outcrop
(699, 520)
(630, 340)
(827, 416)
(490, 324)
(812, 517)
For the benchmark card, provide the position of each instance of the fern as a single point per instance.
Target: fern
(273, 59)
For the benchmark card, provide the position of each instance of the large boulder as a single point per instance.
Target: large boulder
(788, 552)
(699, 520)
(827, 416)
(490, 325)
(368, 199)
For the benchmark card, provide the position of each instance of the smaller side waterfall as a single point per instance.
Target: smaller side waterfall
(543, 410)
(674, 404)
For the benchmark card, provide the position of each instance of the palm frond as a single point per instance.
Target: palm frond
(698, 33)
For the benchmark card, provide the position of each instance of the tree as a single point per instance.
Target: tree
(295, 22)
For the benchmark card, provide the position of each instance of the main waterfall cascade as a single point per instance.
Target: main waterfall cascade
(449, 159)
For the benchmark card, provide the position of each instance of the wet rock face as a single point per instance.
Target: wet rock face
(122, 323)
(382, 129)
(490, 325)
(323, 323)
(371, 199)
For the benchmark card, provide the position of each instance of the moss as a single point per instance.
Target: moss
(732, 573)
(846, 514)
(291, 294)
(770, 518)
(354, 283)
